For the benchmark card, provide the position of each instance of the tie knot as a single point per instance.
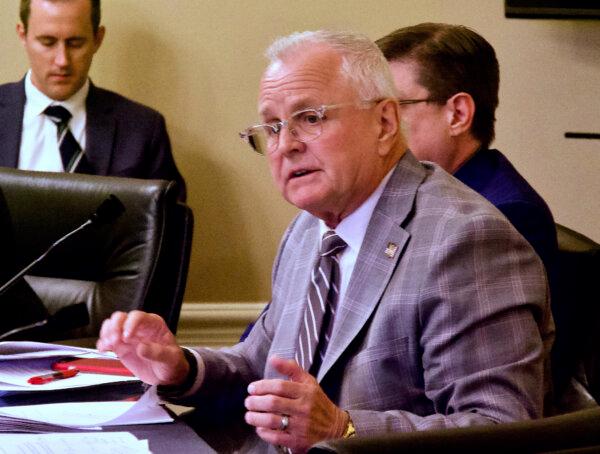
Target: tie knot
(58, 114)
(331, 244)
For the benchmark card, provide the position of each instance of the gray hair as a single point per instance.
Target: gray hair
(363, 64)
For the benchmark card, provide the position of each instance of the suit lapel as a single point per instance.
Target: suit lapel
(12, 105)
(294, 300)
(101, 128)
(383, 246)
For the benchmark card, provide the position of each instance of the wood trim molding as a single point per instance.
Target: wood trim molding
(215, 324)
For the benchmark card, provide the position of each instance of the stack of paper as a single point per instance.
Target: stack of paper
(83, 415)
(25, 349)
(100, 443)
(20, 361)
(9, 424)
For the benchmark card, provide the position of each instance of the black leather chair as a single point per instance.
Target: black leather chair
(576, 310)
(140, 261)
(573, 432)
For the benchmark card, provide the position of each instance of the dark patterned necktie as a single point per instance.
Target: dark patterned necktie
(323, 292)
(70, 151)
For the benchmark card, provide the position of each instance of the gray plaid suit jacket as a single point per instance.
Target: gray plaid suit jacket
(450, 331)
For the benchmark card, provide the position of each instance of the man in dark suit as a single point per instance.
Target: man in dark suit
(447, 77)
(402, 300)
(118, 136)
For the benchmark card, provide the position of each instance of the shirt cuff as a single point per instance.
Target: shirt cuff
(193, 381)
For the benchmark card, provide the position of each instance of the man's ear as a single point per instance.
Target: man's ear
(99, 37)
(461, 110)
(21, 33)
(388, 115)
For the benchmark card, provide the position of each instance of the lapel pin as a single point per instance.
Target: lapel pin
(391, 250)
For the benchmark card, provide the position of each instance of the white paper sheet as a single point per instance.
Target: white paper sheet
(14, 376)
(97, 443)
(92, 415)
(11, 350)
(21, 360)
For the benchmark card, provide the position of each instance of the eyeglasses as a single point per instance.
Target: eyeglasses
(305, 125)
(416, 101)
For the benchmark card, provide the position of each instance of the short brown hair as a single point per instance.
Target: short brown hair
(25, 11)
(452, 59)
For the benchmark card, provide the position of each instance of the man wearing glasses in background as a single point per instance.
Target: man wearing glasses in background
(447, 78)
(401, 299)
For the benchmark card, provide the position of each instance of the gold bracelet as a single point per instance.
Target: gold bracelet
(350, 430)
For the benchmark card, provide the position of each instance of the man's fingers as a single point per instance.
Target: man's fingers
(142, 324)
(269, 428)
(290, 369)
(265, 420)
(276, 388)
(278, 395)
(270, 404)
(111, 331)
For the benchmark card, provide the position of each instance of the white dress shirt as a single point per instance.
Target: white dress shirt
(352, 230)
(39, 146)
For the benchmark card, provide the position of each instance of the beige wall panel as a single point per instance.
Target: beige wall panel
(199, 62)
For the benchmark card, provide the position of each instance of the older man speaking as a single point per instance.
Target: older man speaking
(401, 301)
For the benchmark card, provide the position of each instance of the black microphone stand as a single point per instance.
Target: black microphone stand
(23, 328)
(110, 209)
(21, 273)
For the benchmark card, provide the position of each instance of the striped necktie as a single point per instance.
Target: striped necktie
(70, 151)
(321, 304)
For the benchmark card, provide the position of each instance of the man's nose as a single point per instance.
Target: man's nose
(288, 140)
(62, 57)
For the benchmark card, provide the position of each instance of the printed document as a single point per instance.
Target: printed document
(19, 361)
(97, 443)
(87, 415)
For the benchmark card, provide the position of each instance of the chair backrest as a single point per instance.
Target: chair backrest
(573, 432)
(138, 262)
(576, 310)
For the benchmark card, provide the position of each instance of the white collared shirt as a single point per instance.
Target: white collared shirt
(352, 230)
(39, 147)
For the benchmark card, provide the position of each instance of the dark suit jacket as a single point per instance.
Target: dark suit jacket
(492, 175)
(452, 330)
(123, 138)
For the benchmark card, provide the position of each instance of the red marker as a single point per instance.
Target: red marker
(43, 379)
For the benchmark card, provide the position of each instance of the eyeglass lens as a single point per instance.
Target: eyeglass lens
(305, 126)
